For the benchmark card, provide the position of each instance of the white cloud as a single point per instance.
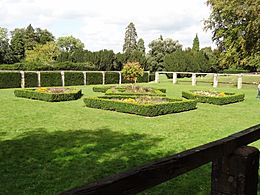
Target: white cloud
(101, 24)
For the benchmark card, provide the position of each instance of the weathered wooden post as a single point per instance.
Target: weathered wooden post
(103, 74)
(236, 174)
(22, 79)
(193, 79)
(120, 78)
(215, 80)
(157, 79)
(174, 78)
(39, 78)
(62, 78)
(85, 77)
(239, 81)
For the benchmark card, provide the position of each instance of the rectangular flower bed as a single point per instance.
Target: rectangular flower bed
(49, 94)
(145, 105)
(213, 97)
(103, 89)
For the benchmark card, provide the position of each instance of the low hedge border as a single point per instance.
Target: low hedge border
(151, 110)
(228, 99)
(49, 97)
(103, 89)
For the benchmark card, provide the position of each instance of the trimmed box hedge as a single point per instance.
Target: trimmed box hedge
(121, 91)
(217, 100)
(31, 79)
(10, 80)
(73, 78)
(112, 78)
(51, 79)
(94, 78)
(174, 106)
(49, 97)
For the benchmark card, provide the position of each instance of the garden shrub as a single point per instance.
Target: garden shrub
(152, 77)
(107, 103)
(144, 78)
(31, 79)
(10, 79)
(218, 100)
(94, 78)
(51, 79)
(122, 91)
(112, 78)
(73, 94)
(74, 78)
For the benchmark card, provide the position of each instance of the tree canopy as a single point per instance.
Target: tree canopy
(130, 43)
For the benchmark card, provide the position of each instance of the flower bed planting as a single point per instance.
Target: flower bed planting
(213, 97)
(140, 105)
(49, 94)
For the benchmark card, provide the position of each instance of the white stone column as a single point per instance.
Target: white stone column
(239, 82)
(39, 78)
(62, 78)
(215, 80)
(103, 74)
(85, 77)
(157, 79)
(120, 78)
(174, 78)
(22, 79)
(193, 79)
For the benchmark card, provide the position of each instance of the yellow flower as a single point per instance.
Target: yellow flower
(221, 94)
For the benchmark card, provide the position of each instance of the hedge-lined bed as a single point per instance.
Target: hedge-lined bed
(103, 89)
(129, 104)
(49, 94)
(213, 97)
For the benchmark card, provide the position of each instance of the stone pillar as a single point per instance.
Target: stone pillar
(236, 174)
(215, 80)
(120, 78)
(193, 77)
(85, 77)
(239, 81)
(22, 79)
(39, 78)
(62, 78)
(103, 74)
(157, 79)
(174, 78)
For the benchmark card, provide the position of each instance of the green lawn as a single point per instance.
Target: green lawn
(46, 148)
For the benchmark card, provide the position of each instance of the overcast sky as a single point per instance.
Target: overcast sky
(101, 24)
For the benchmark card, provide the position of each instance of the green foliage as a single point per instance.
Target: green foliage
(130, 43)
(132, 70)
(140, 46)
(10, 80)
(101, 89)
(51, 79)
(18, 44)
(42, 54)
(106, 103)
(30, 38)
(218, 100)
(158, 49)
(31, 79)
(43, 36)
(196, 44)
(49, 97)
(235, 26)
(74, 78)
(6, 54)
(94, 78)
(112, 78)
(152, 77)
(70, 43)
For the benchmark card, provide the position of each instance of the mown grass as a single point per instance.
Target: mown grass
(46, 148)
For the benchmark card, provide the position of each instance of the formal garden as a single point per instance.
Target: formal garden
(49, 147)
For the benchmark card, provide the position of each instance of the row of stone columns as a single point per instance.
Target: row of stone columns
(194, 80)
(63, 78)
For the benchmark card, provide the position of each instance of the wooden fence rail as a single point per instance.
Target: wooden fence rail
(235, 168)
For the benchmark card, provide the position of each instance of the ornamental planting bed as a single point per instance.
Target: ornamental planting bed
(140, 105)
(130, 90)
(49, 94)
(213, 97)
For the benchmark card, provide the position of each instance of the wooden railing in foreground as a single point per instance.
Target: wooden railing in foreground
(234, 168)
